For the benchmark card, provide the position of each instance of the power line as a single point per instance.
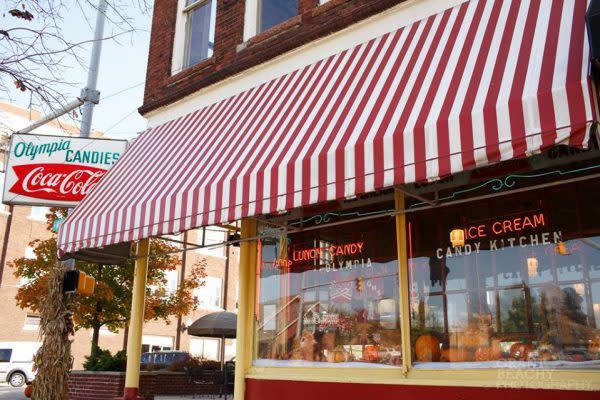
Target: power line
(121, 120)
(122, 90)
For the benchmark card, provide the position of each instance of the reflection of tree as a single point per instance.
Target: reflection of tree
(562, 320)
(516, 317)
(434, 323)
(571, 306)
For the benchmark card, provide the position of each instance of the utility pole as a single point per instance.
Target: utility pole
(89, 94)
(92, 94)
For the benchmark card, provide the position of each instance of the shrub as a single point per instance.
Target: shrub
(195, 363)
(103, 360)
(210, 365)
(181, 365)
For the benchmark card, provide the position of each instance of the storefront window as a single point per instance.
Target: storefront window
(329, 296)
(519, 283)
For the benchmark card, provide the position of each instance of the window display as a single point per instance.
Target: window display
(329, 297)
(513, 279)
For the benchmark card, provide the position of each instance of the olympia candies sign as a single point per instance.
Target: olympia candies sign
(56, 170)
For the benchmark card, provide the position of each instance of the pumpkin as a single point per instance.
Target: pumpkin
(575, 357)
(371, 353)
(445, 357)
(427, 348)
(520, 351)
(307, 346)
(594, 347)
(496, 350)
(483, 354)
(457, 355)
(28, 391)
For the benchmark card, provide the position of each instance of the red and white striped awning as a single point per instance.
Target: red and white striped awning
(478, 83)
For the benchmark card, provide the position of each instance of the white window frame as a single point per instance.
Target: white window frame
(30, 253)
(204, 289)
(202, 344)
(215, 251)
(252, 18)
(168, 276)
(32, 322)
(172, 276)
(176, 236)
(163, 342)
(181, 37)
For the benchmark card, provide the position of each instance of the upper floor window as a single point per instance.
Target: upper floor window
(200, 30)
(212, 239)
(273, 12)
(32, 322)
(261, 15)
(172, 280)
(174, 240)
(30, 253)
(209, 295)
(39, 213)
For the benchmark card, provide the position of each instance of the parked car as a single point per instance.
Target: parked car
(163, 359)
(16, 362)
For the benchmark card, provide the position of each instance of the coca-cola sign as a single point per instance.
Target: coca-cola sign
(56, 171)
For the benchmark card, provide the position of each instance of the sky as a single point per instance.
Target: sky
(121, 75)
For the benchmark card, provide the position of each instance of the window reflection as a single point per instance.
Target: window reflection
(273, 12)
(200, 30)
(524, 286)
(329, 296)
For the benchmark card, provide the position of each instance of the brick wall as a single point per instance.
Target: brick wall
(231, 56)
(175, 383)
(87, 385)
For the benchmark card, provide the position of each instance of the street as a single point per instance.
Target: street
(9, 393)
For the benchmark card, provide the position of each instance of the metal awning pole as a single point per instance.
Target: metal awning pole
(136, 322)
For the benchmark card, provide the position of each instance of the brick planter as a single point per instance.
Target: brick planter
(175, 383)
(91, 385)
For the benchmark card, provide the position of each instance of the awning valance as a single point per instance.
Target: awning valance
(482, 82)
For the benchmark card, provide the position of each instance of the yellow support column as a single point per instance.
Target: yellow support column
(245, 325)
(136, 322)
(403, 281)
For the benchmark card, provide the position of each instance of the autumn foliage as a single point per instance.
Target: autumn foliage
(109, 306)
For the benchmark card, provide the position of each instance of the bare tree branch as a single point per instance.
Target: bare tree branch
(35, 54)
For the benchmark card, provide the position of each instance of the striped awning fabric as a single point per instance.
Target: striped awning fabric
(482, 82)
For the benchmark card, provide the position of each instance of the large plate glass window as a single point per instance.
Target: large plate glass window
(274, 12)
(508, 281)
(329, 296)
(200, 30)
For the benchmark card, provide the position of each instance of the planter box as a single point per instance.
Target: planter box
(92, 385)
(175, 383)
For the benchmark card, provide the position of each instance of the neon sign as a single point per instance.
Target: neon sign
(331, 251)
(505, 226)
